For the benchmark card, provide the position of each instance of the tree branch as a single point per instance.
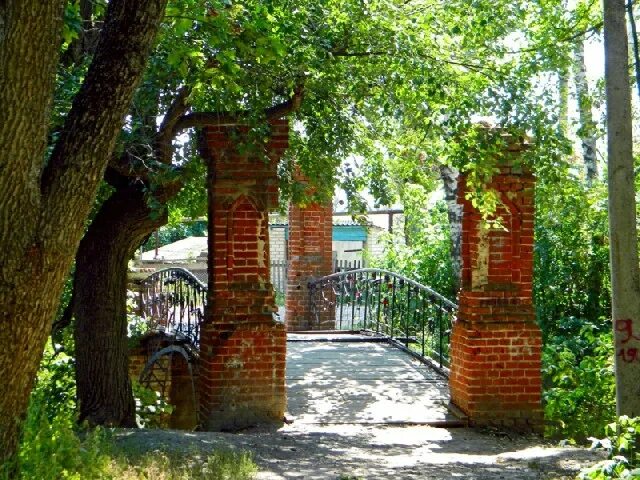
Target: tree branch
(124, 168)
(582, 33)
(162, 142)
(177, 108)
(201, 119)
(70, 180)
(381, 53)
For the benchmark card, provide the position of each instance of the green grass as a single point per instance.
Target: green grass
(55, 450)
(219, 465)
(53, 446)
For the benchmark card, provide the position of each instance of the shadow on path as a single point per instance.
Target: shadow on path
(378, 452)
(344, 399)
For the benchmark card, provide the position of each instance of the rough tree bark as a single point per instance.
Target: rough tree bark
(625, 274)
(29, 35)
(43, 210)
(123, 221)
(100, 309)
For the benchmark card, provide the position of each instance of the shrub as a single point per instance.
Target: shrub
(152, 411)
(157, 465)
(54, 447)
(622, 443)
(52, 444)
(579, 379)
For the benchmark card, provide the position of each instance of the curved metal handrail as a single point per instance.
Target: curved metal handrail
(172, 301)
(385, 303)
(176, 271)
(388, 272)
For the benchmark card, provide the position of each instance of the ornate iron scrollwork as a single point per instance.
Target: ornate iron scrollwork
(172, 301)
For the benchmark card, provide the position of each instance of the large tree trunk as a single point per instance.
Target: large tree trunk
(100, 287)
(43, 211)
(29, 39)
(587, 130)
(99, 300)
(625, 274)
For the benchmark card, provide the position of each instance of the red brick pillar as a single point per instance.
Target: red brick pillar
(495, 343)
(242, 347)
(310, 255)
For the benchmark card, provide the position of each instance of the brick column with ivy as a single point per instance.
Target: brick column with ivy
(242, 346)
(496, 343)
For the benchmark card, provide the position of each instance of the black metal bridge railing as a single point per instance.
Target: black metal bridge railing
(172, 301)
(411, 315)
(385, 303)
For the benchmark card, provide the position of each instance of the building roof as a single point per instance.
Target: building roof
(189, 248)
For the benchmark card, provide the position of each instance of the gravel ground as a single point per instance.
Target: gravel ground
(352, 452)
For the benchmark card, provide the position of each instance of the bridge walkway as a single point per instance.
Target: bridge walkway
(343, 378)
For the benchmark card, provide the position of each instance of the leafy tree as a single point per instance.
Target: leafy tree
(45, 200)
(354, 64)
(571, 253)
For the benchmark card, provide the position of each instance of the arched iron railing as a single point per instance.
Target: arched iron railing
(386, 303)
(173, 301)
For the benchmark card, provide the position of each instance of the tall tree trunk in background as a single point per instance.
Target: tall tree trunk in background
(625, 273)
(100, 306)
(85, 43)
(449, 176)
(563, 92)
(100, 281)
(634, 42)
(43, 210)
(587, 130)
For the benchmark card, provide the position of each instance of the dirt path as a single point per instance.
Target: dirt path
(341, 395)
(378, 452)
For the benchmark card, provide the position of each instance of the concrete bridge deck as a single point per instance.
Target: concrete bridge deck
(343, 378)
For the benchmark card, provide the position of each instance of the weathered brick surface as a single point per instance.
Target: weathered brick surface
(183, 395)
(245, 367)
(176, 376)
(496, 344)
(137, 361)
(310, 256)
(242, 348)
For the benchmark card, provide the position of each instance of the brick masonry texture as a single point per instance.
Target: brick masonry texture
(242, 347)
(496, 344)
(310, 253)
